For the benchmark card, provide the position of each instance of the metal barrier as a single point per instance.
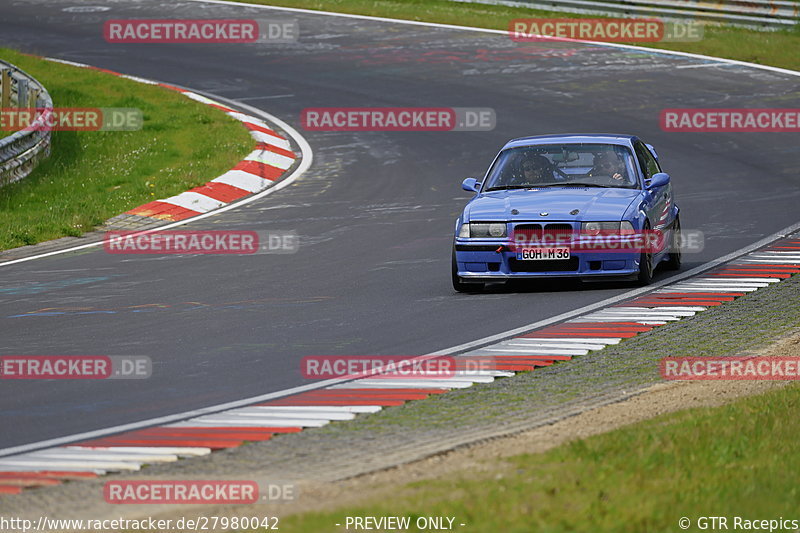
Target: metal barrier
(763, 14)
(22, 151)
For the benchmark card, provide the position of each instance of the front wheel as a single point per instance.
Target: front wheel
(674, 261)
(458, 284)
(646, 264)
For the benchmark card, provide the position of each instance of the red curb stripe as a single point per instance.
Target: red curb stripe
(590, 326)
(222, 429)
(221, 191)
(98, 69)
(762, 269)
(407, 396)
(276, 149)
(341, 401)
(761, 274)
(173, 88)
(376, 391)
(262, 170)
(163, 211)
(211, 434)
(10, 489)
(720, 294)
(578, 334)
(155, 442)
(30, 482)
(255, 127)
(674, 303)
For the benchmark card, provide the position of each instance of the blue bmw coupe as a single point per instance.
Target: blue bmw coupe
(590, 206)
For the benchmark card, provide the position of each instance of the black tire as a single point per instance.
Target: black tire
(458, 284)
(646, 266)
(674, 261)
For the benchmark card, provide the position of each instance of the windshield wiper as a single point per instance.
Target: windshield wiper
(589, 185)
(503, 187)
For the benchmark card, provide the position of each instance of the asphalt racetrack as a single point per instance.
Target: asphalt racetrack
(375, 212)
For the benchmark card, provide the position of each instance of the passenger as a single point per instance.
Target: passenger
(609, 165)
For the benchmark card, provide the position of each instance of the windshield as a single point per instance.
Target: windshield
(563, 165)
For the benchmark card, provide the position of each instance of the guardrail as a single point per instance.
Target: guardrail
(762, 14)
(22, 151)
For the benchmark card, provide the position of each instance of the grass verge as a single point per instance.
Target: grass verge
(736, 460)
(94, 175)
(778, 48)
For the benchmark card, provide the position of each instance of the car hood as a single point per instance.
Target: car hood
(558, 204)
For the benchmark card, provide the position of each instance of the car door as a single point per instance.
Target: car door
(659, 200)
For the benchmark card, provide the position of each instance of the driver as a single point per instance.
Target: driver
(608, 164)
(534, 169)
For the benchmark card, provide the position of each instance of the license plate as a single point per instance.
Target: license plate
(543, 254)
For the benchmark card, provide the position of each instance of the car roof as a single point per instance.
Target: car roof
(602, 138)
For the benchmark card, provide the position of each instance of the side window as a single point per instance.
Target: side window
(647, 162)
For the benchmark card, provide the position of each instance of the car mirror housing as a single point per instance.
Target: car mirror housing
(470, 184)
(658, 180)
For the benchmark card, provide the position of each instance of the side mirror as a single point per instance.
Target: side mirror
(470, 184)
(658, 180)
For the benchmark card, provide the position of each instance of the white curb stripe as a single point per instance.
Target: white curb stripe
(15, 469)
(221, 422)
(270, 158)
(260, 422)
(202, 99)
(254, 412)
(243, 180)
(320, 408)
(57, 464)
(266, 138)
(194, 201)
(180, 451)
(100, 455)
(736, 279)
(533, 351)
(592, 340)
(562, 345)
(138, 80)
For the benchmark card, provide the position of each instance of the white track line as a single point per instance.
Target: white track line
(305, 163)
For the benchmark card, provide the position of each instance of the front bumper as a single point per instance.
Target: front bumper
(480, 260)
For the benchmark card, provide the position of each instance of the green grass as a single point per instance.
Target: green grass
(779, 48)
(741, 459)
(92, 176)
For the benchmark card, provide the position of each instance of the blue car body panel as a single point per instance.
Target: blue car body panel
(486, 259)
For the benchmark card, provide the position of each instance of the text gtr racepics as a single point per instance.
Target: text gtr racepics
(588, 206)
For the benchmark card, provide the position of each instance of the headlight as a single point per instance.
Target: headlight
(597, 227)
(490, 230)
(463, 231)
